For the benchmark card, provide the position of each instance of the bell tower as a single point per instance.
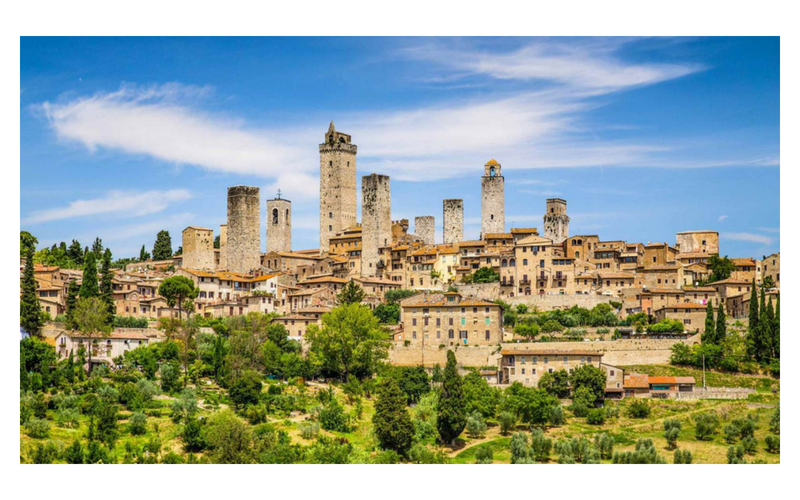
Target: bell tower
(337, 185)
(493, 199)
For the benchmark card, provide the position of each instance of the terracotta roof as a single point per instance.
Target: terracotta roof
(523, 230)
(744, 262)
(492, 162)
(498, 236)
(730, 281)
(662, 380)
(324, 279)
(544, 352)
(471, 243)
(686, 305)
(676, 291)
(699, 289)
(636, 381)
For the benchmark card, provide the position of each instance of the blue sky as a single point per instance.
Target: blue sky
(122, 137)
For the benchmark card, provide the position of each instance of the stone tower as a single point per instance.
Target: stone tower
(243, 247)
(556, 220)
(223, 246)
(337, 185)
(425, 228)
(493, 200)
(198, 248)
(453, 221)
(376, 222)
(279, 225)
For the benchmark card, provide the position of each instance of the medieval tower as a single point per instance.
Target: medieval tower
(279, 225)
(243, 249)
(493, 218)
(198, 248)
(223, 246)
(453, 221)
(376, 222)
(337, 185)
(425, 229)
(556, 220)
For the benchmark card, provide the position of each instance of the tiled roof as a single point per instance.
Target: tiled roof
(545, 352)
(636, 381)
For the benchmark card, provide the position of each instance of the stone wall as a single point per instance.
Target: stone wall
(376, 221)
(556, 220)
(198, 248)
(547, 302)
(431, 355)
(493, 219)
(692, 241)
(223, 246)
(244, 229)
(279, 225)
(425, 228)
(453, 220)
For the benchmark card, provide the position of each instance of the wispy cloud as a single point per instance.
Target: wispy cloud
(546, 192)
(128, 203)
(751, 237)
(722, 218)
(769, 229)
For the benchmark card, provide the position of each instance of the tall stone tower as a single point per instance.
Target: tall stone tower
(244, 229)
(223, 246)
(556, 220)
(337, 185)
(453, 221)
(425, 228)
(198, 248)
(279, 225)
(376, 222)
(493, 199)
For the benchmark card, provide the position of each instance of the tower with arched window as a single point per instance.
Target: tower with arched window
(279, 225)
(493, 199)
(337, 185)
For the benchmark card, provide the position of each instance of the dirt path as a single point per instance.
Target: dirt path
(491, 434)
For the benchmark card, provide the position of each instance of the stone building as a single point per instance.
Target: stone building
(771, 266)
(425, 228)
(693, 316)
(223, 247)
(698, 242)
(450, 319)
(337, 185)
(376, 222)
(279, 225)
(493, 218)
(453, 220)
(556, 221)
(198, 248)
(243, 247)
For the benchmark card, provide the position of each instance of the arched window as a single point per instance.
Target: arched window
(577, 254)
(512, 262)
(491, 171)
(287, 215)
(274, 215)
(504, 263)
(330, 215)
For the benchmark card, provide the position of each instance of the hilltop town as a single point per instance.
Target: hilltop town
(515, 307)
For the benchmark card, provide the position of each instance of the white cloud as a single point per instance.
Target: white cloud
(751, 237)
(126, 203)
(722, 218)
(769, 229)
(546, 192)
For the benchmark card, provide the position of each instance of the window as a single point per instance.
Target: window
(488, 321)
(451, 334)
(488, 335)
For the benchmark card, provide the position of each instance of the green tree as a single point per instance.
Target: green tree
(721, 268)
(106, 285)
(590, 377)
(97, 248)
(479, 395)
(176, 289)
(452, 413)
(229, 438)
(30, 313)
(485, 275)
(672, 429)
(246, 389)
(144, 255)
(710, 333)
(705, 426)
(532, 406)
(89, 287)
(350, 341)
(551, 327)
(351, 294)
(722, 328)
(72, 300)
(90, 320)
(555, 383)
(391, 422)
(387, 314)
(776, 328)
(162, 249)
(75, 252)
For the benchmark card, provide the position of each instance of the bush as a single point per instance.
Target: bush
(476, 426)
(638, 408)
(749, 444)
(672, 429)
(332, 417)
(596, 416)
(44, 453)
(775, 421)
(556, 416)
(736, 455)
(519, 448)
(682, 457)
(773, 443)
(310, 430)
(706, 425)
(484, 455)
(507, 421)
(604, 445)
(137, 424)
(386, 457)
(644, 453)
(540, 446)
(37, 428)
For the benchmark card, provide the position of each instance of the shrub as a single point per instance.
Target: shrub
(706, 425)
(37, 428)
(749, 444)
(540, 446)
(386, 457)
(172, 458)
(736, 455)
(682, 457)
(332, 417)
(44, 453)
(612, 412)
(421, 454)
(775, 421)
(596, 416)
(604, 445)
(644, 453)
(68, 417)
(309, 430)
(556, 416)
(137, 424)
(672, 429)
(773, 443)
(638, 408)
(484, 455)
(519, 448)
(507, 421)
(476, 426)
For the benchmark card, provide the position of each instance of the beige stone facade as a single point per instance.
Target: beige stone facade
(493, 199)
(223, 247)
(450, 319)
(425, 228)
(771, 266)
(556, 220)
(706, 242)
(279, 225)
(376, 222)
(244, 229)
(453, 220)
(198, 248)
(337, 185)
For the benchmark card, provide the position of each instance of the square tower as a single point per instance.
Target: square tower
(337, 185)
(425, 228)
(279, 225)
(376, 222)
(493, 200)
(243, 249)
(223, 246)
(453, 220)
(556, 221)
(198, 248)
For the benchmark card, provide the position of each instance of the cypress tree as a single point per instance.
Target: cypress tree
(764, 333)
(752, 324)
(722, 328)
(106, 287)
(89, 285)
(162, 249)
(391, 422)
(452, 414)
(30, 313)
(72, 301)
(709, 334)
(776, 328)
(771, 321)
